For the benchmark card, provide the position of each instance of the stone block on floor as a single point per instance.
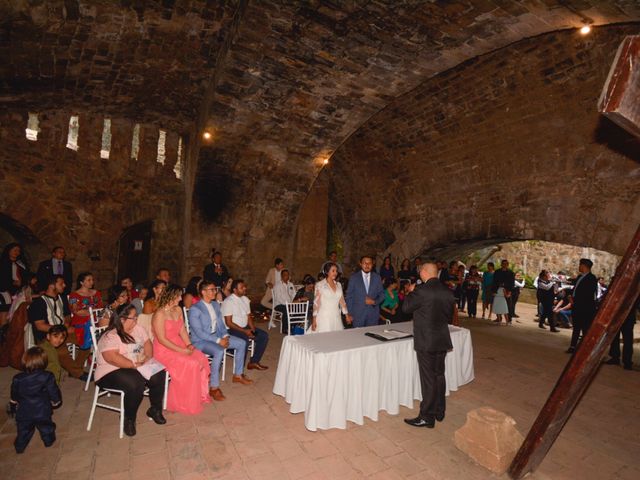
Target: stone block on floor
(490, 438)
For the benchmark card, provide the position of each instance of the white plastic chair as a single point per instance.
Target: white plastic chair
(275, 315)
(231, 353)
(297, 313)
(185, 314)
(95, 331)
(95, 314)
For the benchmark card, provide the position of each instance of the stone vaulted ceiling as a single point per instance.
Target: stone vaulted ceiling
(290, 80)
(280, 84)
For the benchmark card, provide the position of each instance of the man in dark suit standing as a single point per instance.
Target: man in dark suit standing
(365, 293)
(584, 302)
(506, 279)
(216, 271)
(56, 265)
(431, 304)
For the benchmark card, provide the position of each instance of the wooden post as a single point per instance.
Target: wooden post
(583, 366)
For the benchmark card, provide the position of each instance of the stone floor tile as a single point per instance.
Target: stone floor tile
(108, 464)
(383, 447)
(367, 463)
(285, 449)
(319, 447)
(404, 464)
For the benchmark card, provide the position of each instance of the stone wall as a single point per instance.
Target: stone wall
(532, 256)
(83, 202)
(506, 146)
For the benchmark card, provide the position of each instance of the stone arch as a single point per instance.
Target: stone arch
(520, 155)
(12, 230)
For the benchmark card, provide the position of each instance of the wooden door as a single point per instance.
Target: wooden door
(134, 252)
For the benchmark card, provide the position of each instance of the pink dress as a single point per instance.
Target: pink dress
(189, 385)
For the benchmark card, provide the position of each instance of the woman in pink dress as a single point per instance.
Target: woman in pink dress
(188, 367)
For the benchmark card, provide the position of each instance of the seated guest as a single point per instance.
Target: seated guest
(188, 367)
(562, 308)
(56, 336)
(52, 309)
(273, 278)
(387, 270)
(163, 274)
(216, 271)
(116, 297)
(12, 269)
(236, 310)
(209, 334)
(125, 359)
(56, 265)
(33, 395)
(307, 291)
(80, 301)
(283, 293)
(154, 291)
(389, 308)
(138, 303)
(27, 292)
(405, 270)
(127, 283)
(190, 296)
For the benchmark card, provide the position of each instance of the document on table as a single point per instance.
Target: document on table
(389, 334)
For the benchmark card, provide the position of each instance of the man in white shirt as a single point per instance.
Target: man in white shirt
(283, 293)
(236, 310)
(209, 334)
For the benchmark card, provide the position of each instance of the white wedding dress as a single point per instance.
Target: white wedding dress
(327, 306)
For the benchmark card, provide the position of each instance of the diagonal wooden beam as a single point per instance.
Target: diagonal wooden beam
(583, 366)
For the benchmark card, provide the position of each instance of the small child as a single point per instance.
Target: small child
(55, 337)
(33, 393)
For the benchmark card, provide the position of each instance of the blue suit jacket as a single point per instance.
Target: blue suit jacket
(356, 293)
(200, 323)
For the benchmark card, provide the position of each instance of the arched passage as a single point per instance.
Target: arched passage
(12, 230)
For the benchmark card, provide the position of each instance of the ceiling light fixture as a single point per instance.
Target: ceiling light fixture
(586, 29)
(207, 135)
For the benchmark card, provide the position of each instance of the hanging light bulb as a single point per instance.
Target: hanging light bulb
(207, 135)
(586, 29)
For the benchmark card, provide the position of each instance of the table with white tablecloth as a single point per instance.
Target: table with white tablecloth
(338, 376)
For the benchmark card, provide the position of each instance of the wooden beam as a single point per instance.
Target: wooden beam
(583, 366)
(620, 98)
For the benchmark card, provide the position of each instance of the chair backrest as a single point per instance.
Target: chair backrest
(96, 333)
(95, 314)
(297, 310)
(185, 314)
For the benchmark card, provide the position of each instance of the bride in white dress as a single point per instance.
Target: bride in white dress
(328, 302)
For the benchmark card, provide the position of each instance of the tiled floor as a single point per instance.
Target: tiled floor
(252, 435)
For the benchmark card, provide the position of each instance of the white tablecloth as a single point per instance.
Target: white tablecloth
(338, 376)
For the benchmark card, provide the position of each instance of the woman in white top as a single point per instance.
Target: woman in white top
(328, 303)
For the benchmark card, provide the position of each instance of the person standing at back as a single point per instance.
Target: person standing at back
(365, 293)
(584, 302)
(56, 265)
(432, 305)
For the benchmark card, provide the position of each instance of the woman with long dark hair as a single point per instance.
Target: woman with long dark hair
(80, 301)
(125, 360)
(153, 296)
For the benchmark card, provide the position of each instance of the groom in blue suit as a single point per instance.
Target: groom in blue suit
(365, 293)
(213, 340)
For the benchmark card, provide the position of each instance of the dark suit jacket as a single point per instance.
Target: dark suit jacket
(432, 307)
(6, 277)
(503, 278)
(211, 275)
(356, 293)
(45, 271)
(584, 295)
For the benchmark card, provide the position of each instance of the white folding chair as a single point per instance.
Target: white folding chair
(95, 314)
(275, 315)
(95, 332)
(232, 354)
(297, 313)
(101, 392)
(387, 321)
(185, 314)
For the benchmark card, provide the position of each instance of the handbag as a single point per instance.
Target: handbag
(86, 340)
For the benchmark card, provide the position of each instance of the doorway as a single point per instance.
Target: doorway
(134, 252)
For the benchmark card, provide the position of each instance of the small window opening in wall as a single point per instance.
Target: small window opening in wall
(32, 127)
(72, 137)
(162, 139)
(177, 169)
(135, 143)
(106, 139)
